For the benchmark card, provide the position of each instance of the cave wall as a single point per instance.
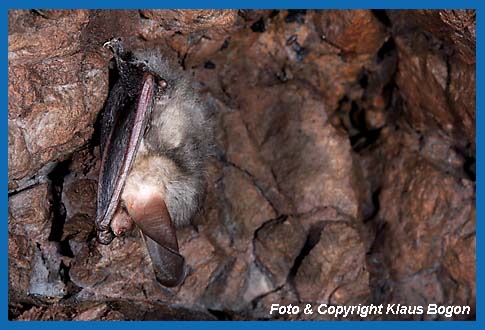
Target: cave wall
(344, 172)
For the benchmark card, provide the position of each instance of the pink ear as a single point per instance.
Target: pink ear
(151, 215)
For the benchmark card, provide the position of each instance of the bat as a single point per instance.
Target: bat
(155, 140)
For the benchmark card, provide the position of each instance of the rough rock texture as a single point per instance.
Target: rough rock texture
(436, 71)
(344, 171)
(56, 87)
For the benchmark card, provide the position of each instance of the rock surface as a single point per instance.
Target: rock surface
(344, 171)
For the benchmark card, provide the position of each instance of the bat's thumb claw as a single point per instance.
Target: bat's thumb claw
(105, 236)
(115, 45)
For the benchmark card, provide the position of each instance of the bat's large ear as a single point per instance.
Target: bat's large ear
(152, 217)
(168, 265)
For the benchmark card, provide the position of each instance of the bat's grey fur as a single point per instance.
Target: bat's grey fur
(173, 152)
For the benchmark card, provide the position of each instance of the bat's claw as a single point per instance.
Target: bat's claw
(115, 45)
(105, 236)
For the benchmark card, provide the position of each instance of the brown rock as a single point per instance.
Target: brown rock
(457, 28)
(431, 78)
(56, 312)
(34, 261)
(462, 96)
(419, 72)
(95, 312)
(283, 296)
(147, 310)
(19, 160)
(334, 272)
(113, 310)
(241, 151)
(79, 199)
(191, 20)
(202, 258)
(33, 38)
(303, 150)
(277, 245)
(353, 31)
(433, 222)
(120, 270)
(55, 89)
(249, 208)
(226, 287)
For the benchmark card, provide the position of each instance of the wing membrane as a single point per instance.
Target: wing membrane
(126, 121)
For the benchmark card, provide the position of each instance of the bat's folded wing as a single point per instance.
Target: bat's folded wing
(126, 121)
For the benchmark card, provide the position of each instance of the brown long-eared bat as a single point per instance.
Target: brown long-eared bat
(155, 140)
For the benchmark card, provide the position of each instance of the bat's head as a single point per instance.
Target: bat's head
(132, 64)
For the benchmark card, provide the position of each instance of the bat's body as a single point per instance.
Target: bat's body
(155, 141)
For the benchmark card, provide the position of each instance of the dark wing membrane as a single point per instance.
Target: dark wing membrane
(118, 98)
(127, 121)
